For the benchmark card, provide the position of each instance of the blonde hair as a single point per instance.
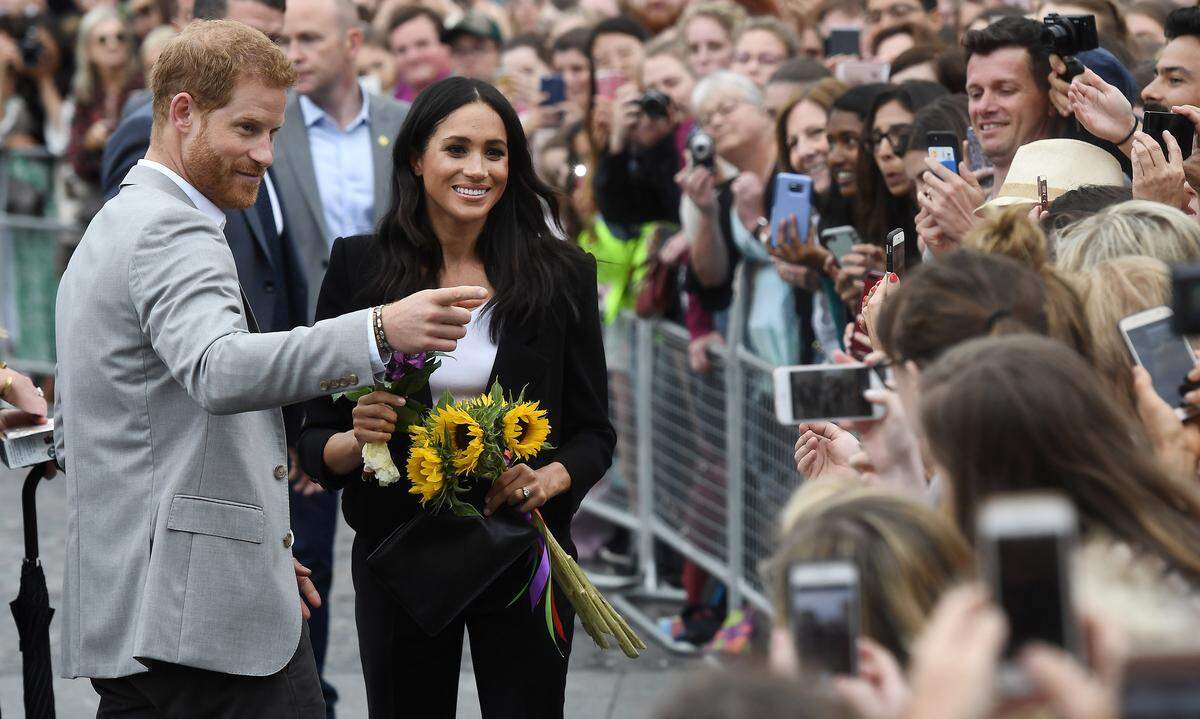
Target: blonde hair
(907, 555)
(208, 59)
(729, 16)
(84, 82)
(1011, 233)
(1115, 289)
(1136, 227)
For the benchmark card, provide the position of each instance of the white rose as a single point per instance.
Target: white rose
(377, 458)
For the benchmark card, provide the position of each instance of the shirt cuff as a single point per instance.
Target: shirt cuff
(377, 367)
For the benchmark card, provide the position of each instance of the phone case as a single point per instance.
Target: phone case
(793, 196)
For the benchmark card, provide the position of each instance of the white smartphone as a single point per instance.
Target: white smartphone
(806, 393)
(824, 613)
(1025, 541)
(1166, 355)
(839, 240)
(857, 72)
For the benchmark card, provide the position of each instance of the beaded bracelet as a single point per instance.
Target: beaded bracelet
(381, 343)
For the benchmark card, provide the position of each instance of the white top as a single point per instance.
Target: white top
(466, 370)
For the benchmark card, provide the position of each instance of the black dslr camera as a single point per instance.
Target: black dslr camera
(23, 29)
(1067, 35)
(701, 148)
(654, 104)
(1185, 299)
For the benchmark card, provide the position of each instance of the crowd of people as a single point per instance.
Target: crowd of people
(663, 128)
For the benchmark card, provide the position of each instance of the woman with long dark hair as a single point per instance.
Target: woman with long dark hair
(467, 208)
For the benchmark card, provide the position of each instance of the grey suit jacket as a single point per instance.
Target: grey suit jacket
(296, 181)
(178, 534)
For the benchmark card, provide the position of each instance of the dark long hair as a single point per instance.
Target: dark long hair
(1022, 412)
(525, 261)
(878, 211)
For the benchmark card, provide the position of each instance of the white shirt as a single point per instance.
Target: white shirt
(217, 215)
(466, 370)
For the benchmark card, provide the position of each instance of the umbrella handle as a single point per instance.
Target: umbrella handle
(29, 510)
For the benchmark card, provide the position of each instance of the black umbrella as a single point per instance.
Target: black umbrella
(31, 609)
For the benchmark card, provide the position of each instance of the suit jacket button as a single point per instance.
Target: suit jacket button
(280, 472)
(288, 540)
(353, 379)
(324, 385)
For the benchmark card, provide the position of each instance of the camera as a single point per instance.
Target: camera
(654, 103)
(703, 152)
(1067, 35)
(24, 30)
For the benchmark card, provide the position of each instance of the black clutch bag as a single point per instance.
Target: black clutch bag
(435, 565)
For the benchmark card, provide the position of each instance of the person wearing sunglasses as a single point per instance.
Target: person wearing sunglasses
(107, 73)
(884, 187)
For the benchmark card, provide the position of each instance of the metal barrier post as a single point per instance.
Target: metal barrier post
(643, 421)
(734, 449)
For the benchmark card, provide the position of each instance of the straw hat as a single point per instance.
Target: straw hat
(1066, 165)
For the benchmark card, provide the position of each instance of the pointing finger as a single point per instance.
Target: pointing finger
(453, 295)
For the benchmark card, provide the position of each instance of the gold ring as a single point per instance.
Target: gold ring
(8, 383)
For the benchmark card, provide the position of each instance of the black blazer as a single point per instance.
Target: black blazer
(559, 361)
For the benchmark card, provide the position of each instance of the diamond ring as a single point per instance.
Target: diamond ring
(525, 492)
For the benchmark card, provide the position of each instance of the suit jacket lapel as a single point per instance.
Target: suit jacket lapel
(294, 136)
(381, 154)
(256, 229)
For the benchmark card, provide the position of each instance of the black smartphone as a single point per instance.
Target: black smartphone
(894, 251)
(943, 148)
(824, 616)
(843, 41)
(1181, 128)
(1043, 192)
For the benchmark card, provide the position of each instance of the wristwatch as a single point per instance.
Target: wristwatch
(762, 228)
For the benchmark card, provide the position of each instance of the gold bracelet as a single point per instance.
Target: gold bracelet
(8, 383)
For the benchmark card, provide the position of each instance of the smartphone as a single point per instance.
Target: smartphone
(978, 160)
(943, 148)
(1181, 128)
(1167, 356)
(894, 251)
(843, 41)
(1025, 542)
(1043, 192)
(807, 393)
(824, 612)
(607, 82)
(554, 89)
(793, 196)
(860, 72)
(839, 240)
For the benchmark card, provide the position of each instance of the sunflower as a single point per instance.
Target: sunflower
(464, 436)
(483, 400)
(418, 434)
(425, 472)
(526, 429)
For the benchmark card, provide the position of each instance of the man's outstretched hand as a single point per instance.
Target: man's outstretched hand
(431, 320)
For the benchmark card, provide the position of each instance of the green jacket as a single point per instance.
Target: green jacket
(620, 264)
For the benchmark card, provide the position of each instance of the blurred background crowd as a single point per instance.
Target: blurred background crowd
(666, 125)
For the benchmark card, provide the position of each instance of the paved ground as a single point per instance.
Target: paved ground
(600, 685)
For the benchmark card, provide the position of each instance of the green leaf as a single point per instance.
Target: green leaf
(354, 395)
(464, 509)
(446, 400)
(497, 392)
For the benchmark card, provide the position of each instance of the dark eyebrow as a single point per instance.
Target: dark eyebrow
(1174, 68)
(467, 140)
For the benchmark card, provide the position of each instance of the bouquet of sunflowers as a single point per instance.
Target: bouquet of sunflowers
(461, 443)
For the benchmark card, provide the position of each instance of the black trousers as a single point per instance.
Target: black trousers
(314, 519)
(519, 671)
(171, 691)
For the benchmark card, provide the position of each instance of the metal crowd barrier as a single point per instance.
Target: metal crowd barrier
(702, 466)
(34, 244)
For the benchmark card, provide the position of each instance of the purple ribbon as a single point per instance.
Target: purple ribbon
(540, 578)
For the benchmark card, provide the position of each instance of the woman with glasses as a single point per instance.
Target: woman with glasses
(885, 190)
(106, 72)
(763, 44)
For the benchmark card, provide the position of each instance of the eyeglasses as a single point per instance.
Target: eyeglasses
(723, 110)
(898, 136)
(895, 12)
(762, 58)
